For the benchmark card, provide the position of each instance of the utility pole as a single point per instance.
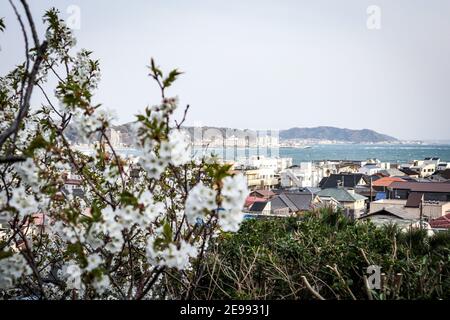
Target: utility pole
(421, 212)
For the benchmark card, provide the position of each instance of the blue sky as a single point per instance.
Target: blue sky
(270, 64)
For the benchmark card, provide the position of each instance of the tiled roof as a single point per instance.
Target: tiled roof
(251, 200)
(414, 200)
(258, 206)
(422, 186)
(264, 193)
(294, 201)
(348, 180)
(441, 222)
(444, 174)
(391, 211)
(409, 172)
(386, 181)
(75, 182)
(392, 172)
(341, 195)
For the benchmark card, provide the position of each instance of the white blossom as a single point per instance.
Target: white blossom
(230, 220)
(93, 237)
(111, 174)
(83, 71)
(152, 209)
(101, 284)
(200, 199)
(94, 261)
(25, 203)
(172, 256)
(71, 272)
(152, 164)
(11, 269)
(69, 233)
(180, 152)
(113, 229)
(234, 192)
(28, 171)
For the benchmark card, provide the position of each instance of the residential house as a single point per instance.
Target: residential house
(409, 172)
(346, 180)
(412, 206)
(292, 202)
(423, 168)
(262, 172)
(433, 191)
(73, 187)
(273, 164)
(262, 193)
(389, 215)
(392, 172)
(400, 218)
(307, 174)
(250, 200)
(380, 186)
(373, 166)
(347, 167)
(326, 202)
(352, 202)
(261, 207)
(285, 203)
(259, 178)
(440, 176)
(443, 166)
(441, 223)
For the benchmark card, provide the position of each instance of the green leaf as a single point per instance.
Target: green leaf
(173, 75)
(37, 143)
(5, 254)
(140, 117)
(167, 232)
(155, 70)
(75, 249)
(128, 198)
(96, 212)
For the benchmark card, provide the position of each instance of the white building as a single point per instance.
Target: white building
(114, 137)
(373, 166)
(274, 164)
(442, 166)
(424, 168)
(305, 175)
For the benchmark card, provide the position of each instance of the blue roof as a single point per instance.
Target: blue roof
(380, 196)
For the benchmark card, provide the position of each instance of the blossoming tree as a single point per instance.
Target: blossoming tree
(129, 235)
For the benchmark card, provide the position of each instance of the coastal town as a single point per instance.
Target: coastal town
(219, 157)
(414, 194)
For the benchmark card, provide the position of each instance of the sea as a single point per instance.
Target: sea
(384, 152)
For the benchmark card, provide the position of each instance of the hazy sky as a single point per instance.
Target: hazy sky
(270, 64)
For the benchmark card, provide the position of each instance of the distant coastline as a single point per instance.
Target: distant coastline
(394, 153)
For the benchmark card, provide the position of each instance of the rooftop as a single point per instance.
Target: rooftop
(349, 180)
(386, 181)
(341, 195)
(441, 222)
(258, 206)
(437, 187)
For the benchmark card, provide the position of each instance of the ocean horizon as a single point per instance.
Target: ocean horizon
(387, 153)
